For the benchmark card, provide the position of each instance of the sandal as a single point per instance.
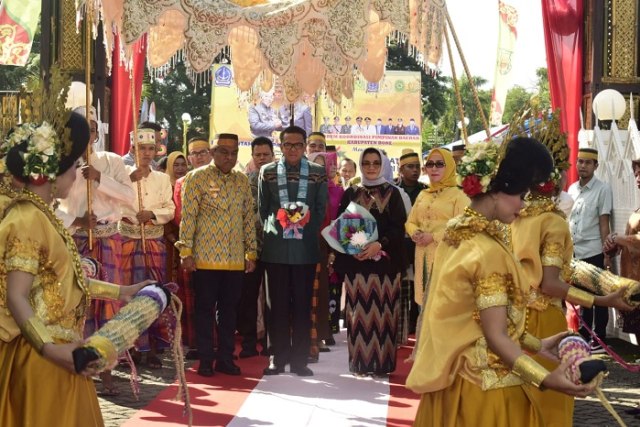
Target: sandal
(109, 391)
(153, 362)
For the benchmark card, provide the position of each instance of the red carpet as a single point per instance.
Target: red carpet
(331, 398)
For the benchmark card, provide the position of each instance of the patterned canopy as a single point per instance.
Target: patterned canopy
(309, 44)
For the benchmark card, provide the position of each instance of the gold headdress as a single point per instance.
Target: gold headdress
(544, 126)
(44, 116)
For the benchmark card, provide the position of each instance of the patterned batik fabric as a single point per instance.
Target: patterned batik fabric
(372, 314)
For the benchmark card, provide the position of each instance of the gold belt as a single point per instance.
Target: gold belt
(151, 231)
(100, 231)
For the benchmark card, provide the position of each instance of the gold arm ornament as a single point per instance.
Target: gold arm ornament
(531, 343)
(36, 333)
(103, 290)
(579, 297)
(530, 371)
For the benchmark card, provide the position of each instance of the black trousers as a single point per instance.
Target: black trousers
(596, 317)
(216, 290)
(290, 288)
(248, 307)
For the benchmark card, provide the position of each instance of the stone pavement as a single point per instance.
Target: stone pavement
(621, 388)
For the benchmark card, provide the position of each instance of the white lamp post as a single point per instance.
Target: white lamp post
(186, 121)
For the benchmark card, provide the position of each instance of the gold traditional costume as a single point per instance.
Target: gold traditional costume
(461, 380)
(434, 206)
(541, 238)
(34, 241)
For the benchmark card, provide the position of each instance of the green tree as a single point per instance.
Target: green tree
(447, 126)
(174, 95)
(517, 97)
(543, 96)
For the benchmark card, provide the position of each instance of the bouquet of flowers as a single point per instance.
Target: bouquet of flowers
(477, 167)
(293, 217)
(352, 230)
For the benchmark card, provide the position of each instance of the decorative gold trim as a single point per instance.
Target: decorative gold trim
(530, 342)
(36, 333)
(71, 44)
(103, 290)
(579, 297)
(530, 371)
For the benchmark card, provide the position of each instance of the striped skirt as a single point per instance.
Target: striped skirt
(135, 269)
(372, 314)
(106, 250)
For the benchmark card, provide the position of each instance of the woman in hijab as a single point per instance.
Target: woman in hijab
(176, 169)
(434, 206)
(372, 277)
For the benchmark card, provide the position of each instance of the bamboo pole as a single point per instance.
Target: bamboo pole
(474, 91)
(456, 87)
(87, 39)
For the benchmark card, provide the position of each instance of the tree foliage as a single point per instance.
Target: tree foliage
(174, 95)
(447, 126)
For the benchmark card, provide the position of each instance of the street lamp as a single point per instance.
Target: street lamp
(609, 105)
(186, 121)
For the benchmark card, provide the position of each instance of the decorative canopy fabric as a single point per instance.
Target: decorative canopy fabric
(307, 43)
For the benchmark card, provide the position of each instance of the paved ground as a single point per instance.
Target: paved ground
(622, 389)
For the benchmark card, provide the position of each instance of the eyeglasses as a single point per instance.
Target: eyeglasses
(371, 164)
(439, 164)
(93, 130)
(290, 146)
(412, 166)
(198, 153)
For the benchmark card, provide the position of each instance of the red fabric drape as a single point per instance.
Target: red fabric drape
(121, 119)
(563, 36)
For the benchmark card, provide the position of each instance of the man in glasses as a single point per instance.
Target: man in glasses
(408, 181)
(292, 198)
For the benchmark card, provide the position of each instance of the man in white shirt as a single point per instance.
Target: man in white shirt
(589, 225)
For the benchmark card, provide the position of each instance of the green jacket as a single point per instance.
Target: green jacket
(275, 249)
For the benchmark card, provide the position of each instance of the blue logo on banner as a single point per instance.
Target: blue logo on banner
(373, 87)
(223, 76)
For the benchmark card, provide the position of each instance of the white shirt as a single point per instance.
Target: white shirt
(108, 196)
(590, 203)
(157, 197)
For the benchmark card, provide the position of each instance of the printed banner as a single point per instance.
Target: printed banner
(392, 108)
(18, 23)
(507, 36)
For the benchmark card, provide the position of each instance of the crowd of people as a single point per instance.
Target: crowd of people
(366, 127)
(471, 254)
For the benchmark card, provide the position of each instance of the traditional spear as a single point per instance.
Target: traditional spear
(134, 112)
(88, 18)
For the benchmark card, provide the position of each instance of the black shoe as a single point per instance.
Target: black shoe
(301, 371)
(206, 368)
(273, 369)
(227, 367)
(331, 341)
(322, 347)
(248, 353)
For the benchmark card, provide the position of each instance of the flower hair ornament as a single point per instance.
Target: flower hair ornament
(43, 130)
(477, 167)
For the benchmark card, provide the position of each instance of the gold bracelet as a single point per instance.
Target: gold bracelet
(36, 333)
(531, 342)
(579, 297)
(530, 371)
(103, 290)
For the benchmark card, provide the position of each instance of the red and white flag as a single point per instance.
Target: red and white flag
(18, 23)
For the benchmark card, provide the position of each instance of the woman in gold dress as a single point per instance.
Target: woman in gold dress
(43, 295)
(434, 206)
(470, 366)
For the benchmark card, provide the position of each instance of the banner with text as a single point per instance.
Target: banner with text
(385, 115)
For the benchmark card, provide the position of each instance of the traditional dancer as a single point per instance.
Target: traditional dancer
(470, 360)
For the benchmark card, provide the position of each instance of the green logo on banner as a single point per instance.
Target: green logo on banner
(399, 86)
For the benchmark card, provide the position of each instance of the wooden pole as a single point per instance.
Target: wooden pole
(87, 21)
(134, 112)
